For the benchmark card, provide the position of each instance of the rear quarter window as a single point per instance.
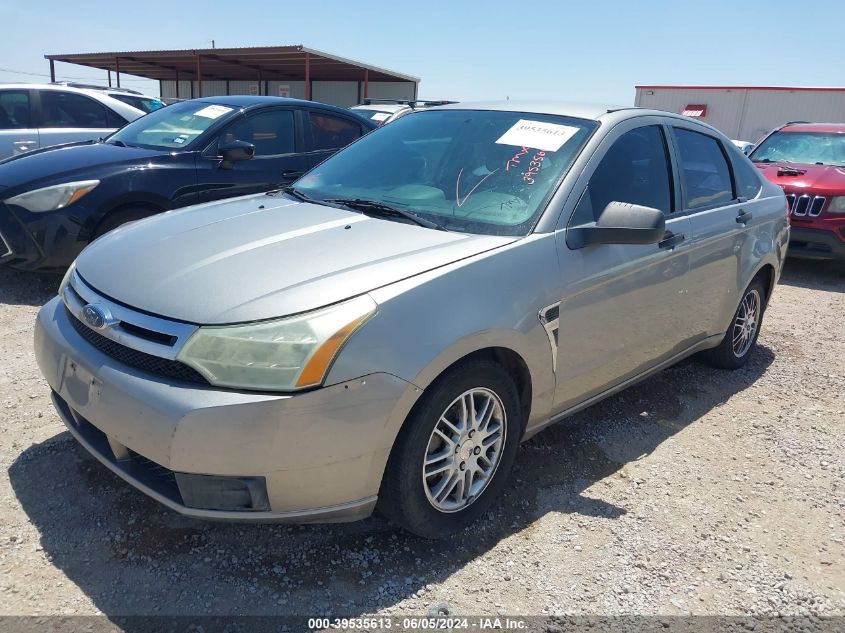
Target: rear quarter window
(748, 183)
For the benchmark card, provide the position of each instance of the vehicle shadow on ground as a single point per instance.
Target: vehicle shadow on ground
(814, 275)
(131, 556)
(34, 289)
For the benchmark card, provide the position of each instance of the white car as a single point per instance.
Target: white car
(383, 111)
(33, 116)
(145, 103)
(744, 146)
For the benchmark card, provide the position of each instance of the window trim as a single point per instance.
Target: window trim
(685, 210)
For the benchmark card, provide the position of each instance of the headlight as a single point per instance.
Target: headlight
(282, 355)
(66, 279)
(53, 198)
(837, 205)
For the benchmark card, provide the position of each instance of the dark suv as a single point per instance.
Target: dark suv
(55, 201)
(808, 161)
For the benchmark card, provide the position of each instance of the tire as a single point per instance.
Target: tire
(417, 502)
(729, 355)
(118, 217)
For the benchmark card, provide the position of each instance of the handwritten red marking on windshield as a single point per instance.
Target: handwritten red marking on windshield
(534, 167)
(513, 162)
(458, 200)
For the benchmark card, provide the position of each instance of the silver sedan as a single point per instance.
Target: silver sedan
(384, 333)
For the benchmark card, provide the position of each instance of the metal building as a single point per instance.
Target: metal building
(747, 112)
(284, 71)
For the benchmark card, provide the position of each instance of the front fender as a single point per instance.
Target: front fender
(429, 322)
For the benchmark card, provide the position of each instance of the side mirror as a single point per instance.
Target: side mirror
(621, 223)
(235, 151)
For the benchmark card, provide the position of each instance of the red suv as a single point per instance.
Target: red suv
(808, 161)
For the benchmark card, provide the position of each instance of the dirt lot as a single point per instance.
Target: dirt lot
(698, 491)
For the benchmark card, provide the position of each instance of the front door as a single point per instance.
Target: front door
(278, 157)
(623, 307)
(17, 134)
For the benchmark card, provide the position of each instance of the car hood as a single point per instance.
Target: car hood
(259, 257)
(823, 178)
(63, 163)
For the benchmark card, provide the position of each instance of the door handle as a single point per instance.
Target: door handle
(671, 240)
(744, 216)
(291, 174)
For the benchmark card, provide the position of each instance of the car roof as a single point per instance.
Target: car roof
(563, 108)
(252, 101)
(814, 127)
(381, 107)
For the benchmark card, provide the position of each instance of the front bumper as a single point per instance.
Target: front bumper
(320, 454)
(810, 243)
(32, 241)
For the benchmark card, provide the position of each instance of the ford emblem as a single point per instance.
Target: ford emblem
(96, 317)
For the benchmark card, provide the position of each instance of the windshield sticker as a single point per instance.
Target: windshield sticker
(380, 116)
(213, 111)
(548, 137)
(179, 140)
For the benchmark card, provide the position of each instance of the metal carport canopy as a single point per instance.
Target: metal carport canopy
(295, 63)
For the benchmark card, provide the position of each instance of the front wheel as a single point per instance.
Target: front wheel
(734, 350)
(453, 455)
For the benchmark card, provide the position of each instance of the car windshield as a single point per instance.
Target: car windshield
(826, 148)
(473, 171)
(145, 104)
(173, 127)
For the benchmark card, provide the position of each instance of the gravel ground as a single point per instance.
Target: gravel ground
(698, 491)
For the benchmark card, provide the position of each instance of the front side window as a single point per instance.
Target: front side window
(473, 171)
(272, 132)
(332, 132)
(67, 109)
(826, 148)
(174, 127)
(705, 175)
(634, 170)
(14, 109)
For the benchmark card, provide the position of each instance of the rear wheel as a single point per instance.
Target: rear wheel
(734, 350)
(119, 217)
(452, 457)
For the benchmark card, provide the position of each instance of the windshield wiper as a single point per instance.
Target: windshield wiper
(117, 142)
(376, 208)
(292, 191)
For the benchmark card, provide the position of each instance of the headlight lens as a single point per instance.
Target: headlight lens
(66, 279)
(282, 355)
(837, 205)
(53, 198)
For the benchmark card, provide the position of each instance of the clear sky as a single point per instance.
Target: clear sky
(526, 49)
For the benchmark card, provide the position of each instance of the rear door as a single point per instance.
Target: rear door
(623, 307)
(17, 134)
(276, 135)
(326, 132)
(715, 207)
(67, 117)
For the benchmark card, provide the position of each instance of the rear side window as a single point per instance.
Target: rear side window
(705, 175)
(14, 109)
(332, 132)
(65, 109)
(747, 178)
(271, 132)
(634, 170)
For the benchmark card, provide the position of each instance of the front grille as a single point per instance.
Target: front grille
(139, 360)
(805, 205)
